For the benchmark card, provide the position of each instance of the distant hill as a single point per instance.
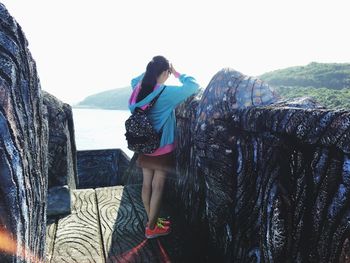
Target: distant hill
(115, 99)
(317, 75)
(327, 83)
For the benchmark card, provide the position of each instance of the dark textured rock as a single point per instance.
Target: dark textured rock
(23, 146)
(301, 190)
(132, 174)
(59, 200)
(62, 148)
(271, 182)
(100, 168)
(186, 186)
(203, 128)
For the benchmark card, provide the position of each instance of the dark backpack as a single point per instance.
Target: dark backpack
(140, 134)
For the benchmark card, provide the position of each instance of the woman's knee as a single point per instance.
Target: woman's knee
(147, 173)
(147, 178)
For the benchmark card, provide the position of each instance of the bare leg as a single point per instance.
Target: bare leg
(147, 188)
(156, 198)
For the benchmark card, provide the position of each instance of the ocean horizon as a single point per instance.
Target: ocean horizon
(97, 129)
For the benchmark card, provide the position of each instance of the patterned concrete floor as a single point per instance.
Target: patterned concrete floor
(107, 225)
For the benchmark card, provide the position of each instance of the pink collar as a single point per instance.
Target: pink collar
(136, 91)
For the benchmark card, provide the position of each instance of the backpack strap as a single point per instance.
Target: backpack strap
(155, 99)
(152, 101)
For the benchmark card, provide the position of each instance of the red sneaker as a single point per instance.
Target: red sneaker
(157, 231)
(162, 221)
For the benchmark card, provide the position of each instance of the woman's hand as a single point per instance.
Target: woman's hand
(173, 71)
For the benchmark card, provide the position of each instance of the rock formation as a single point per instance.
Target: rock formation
(268, 179)
(101, 168)
(59, 200)
(132, 174)
(23, 148)
(62, 150)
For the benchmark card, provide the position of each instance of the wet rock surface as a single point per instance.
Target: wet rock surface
(23, 146)
(267, 180)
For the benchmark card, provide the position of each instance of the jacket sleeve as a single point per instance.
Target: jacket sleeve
(177, 94)
(136, 80)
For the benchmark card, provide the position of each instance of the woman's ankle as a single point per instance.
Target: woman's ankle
(151, 226)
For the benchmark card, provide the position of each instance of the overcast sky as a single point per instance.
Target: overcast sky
(82, 47)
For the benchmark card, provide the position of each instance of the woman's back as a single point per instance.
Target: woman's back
(162, 113)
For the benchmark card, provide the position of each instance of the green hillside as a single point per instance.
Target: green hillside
(317, 75)
(330, 98)
(115, 99)
(327, 83)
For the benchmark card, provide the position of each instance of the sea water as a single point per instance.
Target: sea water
(100, 129)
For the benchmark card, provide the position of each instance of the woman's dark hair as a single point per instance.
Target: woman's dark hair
(153, 70)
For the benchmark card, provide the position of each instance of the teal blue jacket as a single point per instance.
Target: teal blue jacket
(162, 114)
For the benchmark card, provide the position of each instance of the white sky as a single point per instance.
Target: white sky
(82, 47)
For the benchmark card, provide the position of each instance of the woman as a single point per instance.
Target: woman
(155, 166)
